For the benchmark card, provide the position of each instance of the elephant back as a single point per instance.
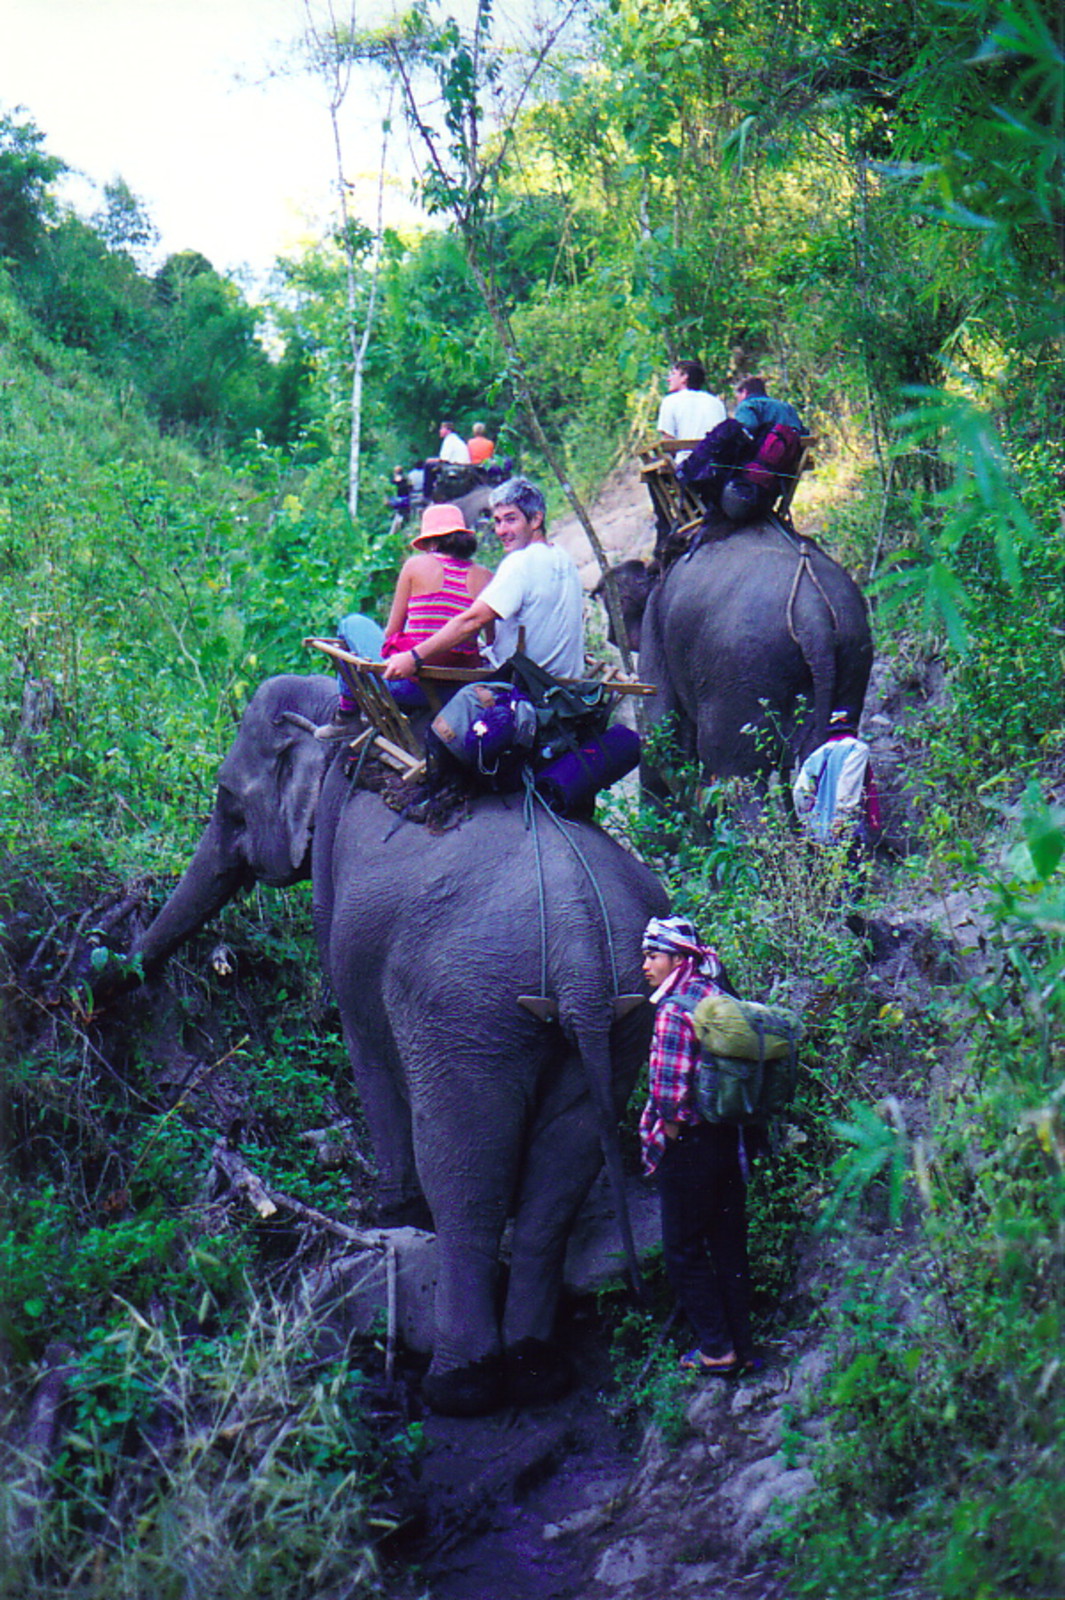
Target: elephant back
(758, 629)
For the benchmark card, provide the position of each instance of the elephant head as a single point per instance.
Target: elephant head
(262, 824)
(635, 580)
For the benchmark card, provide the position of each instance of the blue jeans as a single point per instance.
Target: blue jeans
(703, 1196)
(364, 637)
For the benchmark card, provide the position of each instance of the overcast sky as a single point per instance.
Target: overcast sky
(189, 102)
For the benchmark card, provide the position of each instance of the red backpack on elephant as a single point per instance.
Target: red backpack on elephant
(776, 455)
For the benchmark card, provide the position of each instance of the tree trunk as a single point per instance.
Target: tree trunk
(505, 335)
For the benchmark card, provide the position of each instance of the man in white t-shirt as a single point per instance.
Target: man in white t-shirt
(689, 411)
(536, 588)
(454, 452)
(453, 448)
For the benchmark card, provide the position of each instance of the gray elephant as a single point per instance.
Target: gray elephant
(489, 983)
(752, 641)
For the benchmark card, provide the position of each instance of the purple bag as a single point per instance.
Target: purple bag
(570, 782)
(489, 728)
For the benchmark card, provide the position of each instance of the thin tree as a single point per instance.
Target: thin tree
(462, 179)
(329, 50)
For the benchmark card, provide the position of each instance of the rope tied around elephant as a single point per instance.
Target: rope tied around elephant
(802, 548)
(533, 798)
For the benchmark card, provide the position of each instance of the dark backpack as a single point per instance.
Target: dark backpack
(709, 465)
(748, 1058)
(567, 714)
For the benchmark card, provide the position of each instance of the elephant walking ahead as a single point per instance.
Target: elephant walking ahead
(429, 943)
(753, 641)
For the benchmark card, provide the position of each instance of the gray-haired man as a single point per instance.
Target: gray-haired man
(536, 588)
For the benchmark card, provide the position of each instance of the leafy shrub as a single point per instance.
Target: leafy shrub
(234, 1467)
(948, 1416)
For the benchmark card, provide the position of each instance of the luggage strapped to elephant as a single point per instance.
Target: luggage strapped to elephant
(553, 701)
(681, 504)
(527, 726)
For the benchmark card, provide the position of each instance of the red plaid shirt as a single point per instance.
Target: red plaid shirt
(671, 1075)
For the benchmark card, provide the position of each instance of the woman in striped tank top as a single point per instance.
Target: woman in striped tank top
(435, 584)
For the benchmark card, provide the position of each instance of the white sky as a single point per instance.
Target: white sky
(183, 99)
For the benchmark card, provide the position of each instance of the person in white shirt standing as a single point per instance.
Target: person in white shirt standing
(536, 588)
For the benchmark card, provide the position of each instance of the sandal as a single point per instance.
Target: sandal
(707, 1367)
(733, 1367)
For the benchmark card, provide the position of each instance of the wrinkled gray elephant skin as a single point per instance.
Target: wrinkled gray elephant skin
(754, 641)
(428, 941)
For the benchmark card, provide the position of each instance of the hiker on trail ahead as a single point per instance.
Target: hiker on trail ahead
(700, 1166)
(536, 588)
(835, 791)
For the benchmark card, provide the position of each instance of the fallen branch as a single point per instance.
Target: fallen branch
(240, 1179)
(31, 1494)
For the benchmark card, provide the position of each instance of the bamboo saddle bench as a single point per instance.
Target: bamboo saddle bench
(388, 727)
(678, 503)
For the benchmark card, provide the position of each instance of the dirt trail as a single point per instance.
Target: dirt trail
(491, 1487)
(622, 518)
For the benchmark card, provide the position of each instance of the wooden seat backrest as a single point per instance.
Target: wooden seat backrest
(678, 501)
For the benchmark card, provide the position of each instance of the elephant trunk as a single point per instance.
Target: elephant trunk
(212, 878)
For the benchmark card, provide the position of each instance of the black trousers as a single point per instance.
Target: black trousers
(703, 1195)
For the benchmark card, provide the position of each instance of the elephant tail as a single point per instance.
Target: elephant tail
(593, 1044)
(818, 645)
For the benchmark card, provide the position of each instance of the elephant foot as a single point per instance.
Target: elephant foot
(536, 1373)
(468, 1391)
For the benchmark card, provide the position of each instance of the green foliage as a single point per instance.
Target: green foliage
(647, 1375)
(1001, 602)
(248, 1464)
(948, 1409)
(186, 341)
(27, 173)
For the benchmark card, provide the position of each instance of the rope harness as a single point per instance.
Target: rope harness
(533, 799)
(802, 548)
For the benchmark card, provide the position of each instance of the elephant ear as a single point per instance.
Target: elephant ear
(300, 770)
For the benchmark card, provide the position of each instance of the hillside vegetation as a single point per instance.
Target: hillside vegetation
(865, 204)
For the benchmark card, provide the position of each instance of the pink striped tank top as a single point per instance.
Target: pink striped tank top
(427, 612)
